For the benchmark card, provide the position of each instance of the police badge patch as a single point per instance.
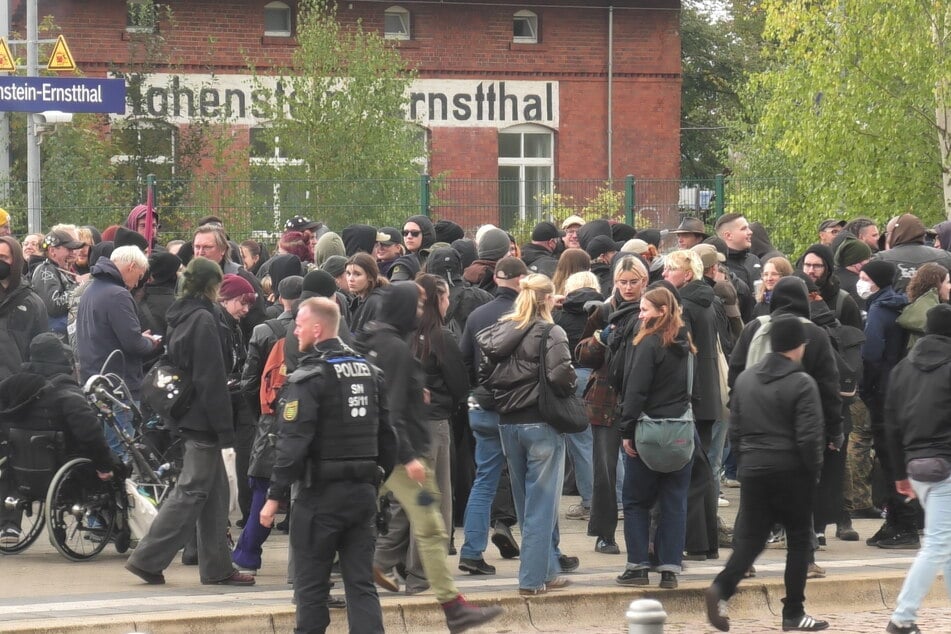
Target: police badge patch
(290, 412)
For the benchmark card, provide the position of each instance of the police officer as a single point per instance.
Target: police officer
(335, 439)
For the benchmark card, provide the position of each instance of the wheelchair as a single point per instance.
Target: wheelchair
(81, 512)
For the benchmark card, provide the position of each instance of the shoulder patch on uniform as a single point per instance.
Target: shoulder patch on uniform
(290, 411)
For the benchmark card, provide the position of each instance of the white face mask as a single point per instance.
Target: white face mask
(864, 289)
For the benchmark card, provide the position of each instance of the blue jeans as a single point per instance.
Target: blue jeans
(489, 461)
(535, 453)
(643, 488)
(580, 446)
(935, 553)
(124, 418)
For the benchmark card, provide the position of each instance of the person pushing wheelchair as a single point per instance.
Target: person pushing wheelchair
(37, 406)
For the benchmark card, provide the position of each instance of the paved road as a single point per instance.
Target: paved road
(41, 586)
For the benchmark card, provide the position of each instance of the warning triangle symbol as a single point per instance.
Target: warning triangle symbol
(6, 58)
(61, 59)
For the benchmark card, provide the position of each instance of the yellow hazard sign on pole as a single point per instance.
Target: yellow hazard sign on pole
(61, 59)
(6, 58)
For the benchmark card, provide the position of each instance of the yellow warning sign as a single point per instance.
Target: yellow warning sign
(6, 58)
(61, 59)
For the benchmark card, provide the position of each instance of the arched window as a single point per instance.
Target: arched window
(396, 23)
(277, 19)
(526, 168)
(525, 27)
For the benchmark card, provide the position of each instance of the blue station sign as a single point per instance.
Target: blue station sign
(66, 94)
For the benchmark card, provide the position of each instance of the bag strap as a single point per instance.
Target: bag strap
(690, 363)
(543, 352)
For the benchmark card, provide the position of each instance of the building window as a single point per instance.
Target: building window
(140, 16)
(279, 184)
(145, 148)
(396, 24)
(277, 19)
(525, 28)
(526, 166)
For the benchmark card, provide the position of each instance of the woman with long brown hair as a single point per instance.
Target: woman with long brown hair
(363, 282)
(655, 385)
(571, 261)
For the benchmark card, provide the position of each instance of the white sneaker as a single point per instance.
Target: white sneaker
(722, 501)
(578, 512)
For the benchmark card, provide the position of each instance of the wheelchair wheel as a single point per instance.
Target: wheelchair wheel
(80, 511)
(31, 525)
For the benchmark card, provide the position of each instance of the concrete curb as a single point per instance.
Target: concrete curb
(581, 606)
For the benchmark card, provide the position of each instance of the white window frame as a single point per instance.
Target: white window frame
(405, 22)
(522, 162)
(276, 161)
(531, 19)
(127, 159)
(141, 4)
(286, 9)
(422, 161)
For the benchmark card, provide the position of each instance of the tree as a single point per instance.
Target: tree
(341, 124)
(850, 106)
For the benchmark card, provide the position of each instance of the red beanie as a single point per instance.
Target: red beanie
(233, 286)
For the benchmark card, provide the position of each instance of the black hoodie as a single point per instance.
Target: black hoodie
(463, 296)
(700, 318)
(359, 238)
(385, 343)
(918, 407)
(831, 289)
(790, 298)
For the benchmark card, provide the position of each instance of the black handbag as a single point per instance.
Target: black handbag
(167, 390)
(566, 414)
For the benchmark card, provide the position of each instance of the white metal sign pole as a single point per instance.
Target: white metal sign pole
(33, 188)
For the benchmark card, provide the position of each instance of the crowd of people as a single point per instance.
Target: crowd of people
(786, 367)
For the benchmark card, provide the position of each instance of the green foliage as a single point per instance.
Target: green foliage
(846, 109)
(342, 121)
(605, 203)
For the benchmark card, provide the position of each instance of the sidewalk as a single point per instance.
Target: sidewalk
(42, 592)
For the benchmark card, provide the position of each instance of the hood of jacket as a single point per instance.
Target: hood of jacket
(775, 367)
(282, 266)
(180, 310)
(400, 300)
(930, 353)
(575, 300)
(908, 230)
(760, 242)
(532, 252)
(467, 251)
(943, 229)
(327, 245)
(590, 230)
(17, 392)
(821, 315)
(888, 298)
(446, 263)
(698, 292)
(790, 296)
(106, 270)
(357, 238)
(426, 226)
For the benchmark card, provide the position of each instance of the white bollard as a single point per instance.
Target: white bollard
(646, 616)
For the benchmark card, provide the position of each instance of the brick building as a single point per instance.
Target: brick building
(526, 92)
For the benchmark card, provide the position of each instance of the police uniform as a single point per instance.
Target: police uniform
(333, 439)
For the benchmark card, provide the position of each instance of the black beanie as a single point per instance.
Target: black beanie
(622, 232)
(163, 268)
(881, 272)
(48, 348)
(447, 231)
(786, 333)
(599, 246)
(126, 237)
(102, 250)
(938, 321)
(318, 283)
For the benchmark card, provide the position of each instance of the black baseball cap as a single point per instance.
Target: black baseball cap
(61, 239)
(388, 236)
(509, 268)
(545, 231)
(300, 223)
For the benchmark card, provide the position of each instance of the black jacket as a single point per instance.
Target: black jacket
(483, 317)
(464, 298)
(602, 271)
(154, 306)
(194, 344)
(22, 317)
(447, 380)
(510, 367)
(789, 298)
(385, 344)
(776, 422)
(573, 317)
(539, 259)
(700, 318)
(263, 339)
(918, 406)
(46, 397)
(655, 383)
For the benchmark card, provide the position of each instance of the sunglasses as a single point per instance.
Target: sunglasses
(411, 233)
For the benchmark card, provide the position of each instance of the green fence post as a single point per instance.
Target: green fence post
(424, 192)
(629, 199)
(719, 195)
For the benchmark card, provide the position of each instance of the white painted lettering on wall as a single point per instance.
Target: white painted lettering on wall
(240, 99)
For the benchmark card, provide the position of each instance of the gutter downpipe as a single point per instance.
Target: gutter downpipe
(610, 93)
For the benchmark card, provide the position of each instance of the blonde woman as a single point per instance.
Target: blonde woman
(534, 450)
(774, 270)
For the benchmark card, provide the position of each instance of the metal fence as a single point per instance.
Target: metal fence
(260, 207)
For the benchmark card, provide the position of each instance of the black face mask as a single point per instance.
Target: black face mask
(5, 270)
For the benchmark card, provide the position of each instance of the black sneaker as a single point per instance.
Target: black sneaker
(668, 579)
(504, 541)
(885, 532)
(804, 623)
(633, 577)
(607, 547)
(10, 536)
(716, 609)
(476, 566)
(846, 532)
(905, 540)
(568, 564)
(902, 629)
